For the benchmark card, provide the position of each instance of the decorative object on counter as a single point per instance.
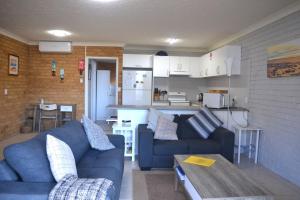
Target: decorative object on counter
(163, 93)
(62, 74)
(156, 94)
(161, 53)
(13, 65)
(53, 67)
(284, 59)
(200, 97)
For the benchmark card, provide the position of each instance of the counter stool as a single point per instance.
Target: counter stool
(48, 111)
(248, 130)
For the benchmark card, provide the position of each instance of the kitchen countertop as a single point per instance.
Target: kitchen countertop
(192, 108)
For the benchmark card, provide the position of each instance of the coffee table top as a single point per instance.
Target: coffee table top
(223, 180)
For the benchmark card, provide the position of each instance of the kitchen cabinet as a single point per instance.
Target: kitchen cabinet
(219, 61)
(179, 65)
(137, 61)
(196, 67)
(161, 66)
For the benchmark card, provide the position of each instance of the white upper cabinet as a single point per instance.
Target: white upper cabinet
(222, 61)
(137, 61)
(179, 65)
(161, 66)
(196, 67)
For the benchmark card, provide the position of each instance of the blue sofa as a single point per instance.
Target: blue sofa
(25, 172)
(160, 153)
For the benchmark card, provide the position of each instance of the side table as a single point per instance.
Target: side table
(248, 130)
(128, 132)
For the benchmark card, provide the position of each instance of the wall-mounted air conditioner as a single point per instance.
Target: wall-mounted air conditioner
(55, 47)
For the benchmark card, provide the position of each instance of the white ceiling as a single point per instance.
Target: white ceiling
(199, 23)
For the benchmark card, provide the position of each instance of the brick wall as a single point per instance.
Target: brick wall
(70, 90)
(274, 103)
(12, 106)
(35, 80)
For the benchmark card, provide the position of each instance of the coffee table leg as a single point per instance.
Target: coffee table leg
(176, 182)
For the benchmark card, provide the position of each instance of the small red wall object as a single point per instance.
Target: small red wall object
(81, 66)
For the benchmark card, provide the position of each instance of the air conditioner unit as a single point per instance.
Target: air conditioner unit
(55, 47)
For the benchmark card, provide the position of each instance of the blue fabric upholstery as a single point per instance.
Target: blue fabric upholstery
(97, 159)
(185, 131)
(73, 135)
(160, 153)
(6, 173)
(29, 159)
(10, 190)
(203, 146)
(170, 147)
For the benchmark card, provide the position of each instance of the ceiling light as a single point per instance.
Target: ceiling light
(104, 1)
(59, 33)
(172, 40)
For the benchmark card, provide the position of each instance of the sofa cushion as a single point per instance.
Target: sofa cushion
(96, 136)
(29, 159)
(61, 158)
(185, 131)
(153, 116)
(204, 122)
(96, 159)
(165, 129)
(73, 134)
(169, 147)
(6, 173)
(203, 146)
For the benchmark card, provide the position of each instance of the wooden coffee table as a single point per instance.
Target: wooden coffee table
(222, 181)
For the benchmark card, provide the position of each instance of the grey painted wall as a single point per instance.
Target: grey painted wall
(274, 103)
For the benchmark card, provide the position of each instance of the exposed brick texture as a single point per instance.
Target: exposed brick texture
(12, 106)
(35, 80)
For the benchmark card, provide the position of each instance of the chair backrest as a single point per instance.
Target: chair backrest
(48, 107)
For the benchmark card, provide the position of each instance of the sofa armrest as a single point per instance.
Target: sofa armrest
(117, 140)
(145, 148)
(10, 190)
(226, 139)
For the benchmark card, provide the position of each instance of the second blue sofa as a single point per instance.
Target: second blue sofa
(25, 172)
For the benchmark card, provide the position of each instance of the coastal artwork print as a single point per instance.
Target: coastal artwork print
(284, 59)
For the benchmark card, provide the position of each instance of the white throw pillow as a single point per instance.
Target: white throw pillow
(153, 117)
(166, 129)
(96, 136)
(61, 158)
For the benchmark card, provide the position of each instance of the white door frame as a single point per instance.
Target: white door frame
(86, 86)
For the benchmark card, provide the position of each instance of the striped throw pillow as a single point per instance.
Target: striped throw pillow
(205, 122)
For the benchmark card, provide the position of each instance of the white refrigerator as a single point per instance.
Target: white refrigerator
(137, 87)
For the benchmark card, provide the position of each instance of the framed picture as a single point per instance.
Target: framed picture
(284, 59)
(13, 65)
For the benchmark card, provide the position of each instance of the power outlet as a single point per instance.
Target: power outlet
(5, 92)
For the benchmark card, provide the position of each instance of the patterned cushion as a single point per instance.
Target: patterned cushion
(97, 138)
(165, 130)
(153, 118)
(205, 122)
(62, 161)
(71, 187)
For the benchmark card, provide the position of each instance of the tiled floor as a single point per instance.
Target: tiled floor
(283, 189)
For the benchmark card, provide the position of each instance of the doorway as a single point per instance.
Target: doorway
(101, 87)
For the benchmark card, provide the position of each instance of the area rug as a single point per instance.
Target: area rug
(155, 185)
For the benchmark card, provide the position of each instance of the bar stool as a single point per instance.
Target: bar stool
(46, 111)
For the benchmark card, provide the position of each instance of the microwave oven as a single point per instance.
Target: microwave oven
(215, 100)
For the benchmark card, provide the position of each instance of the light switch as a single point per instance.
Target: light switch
(5, 91)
